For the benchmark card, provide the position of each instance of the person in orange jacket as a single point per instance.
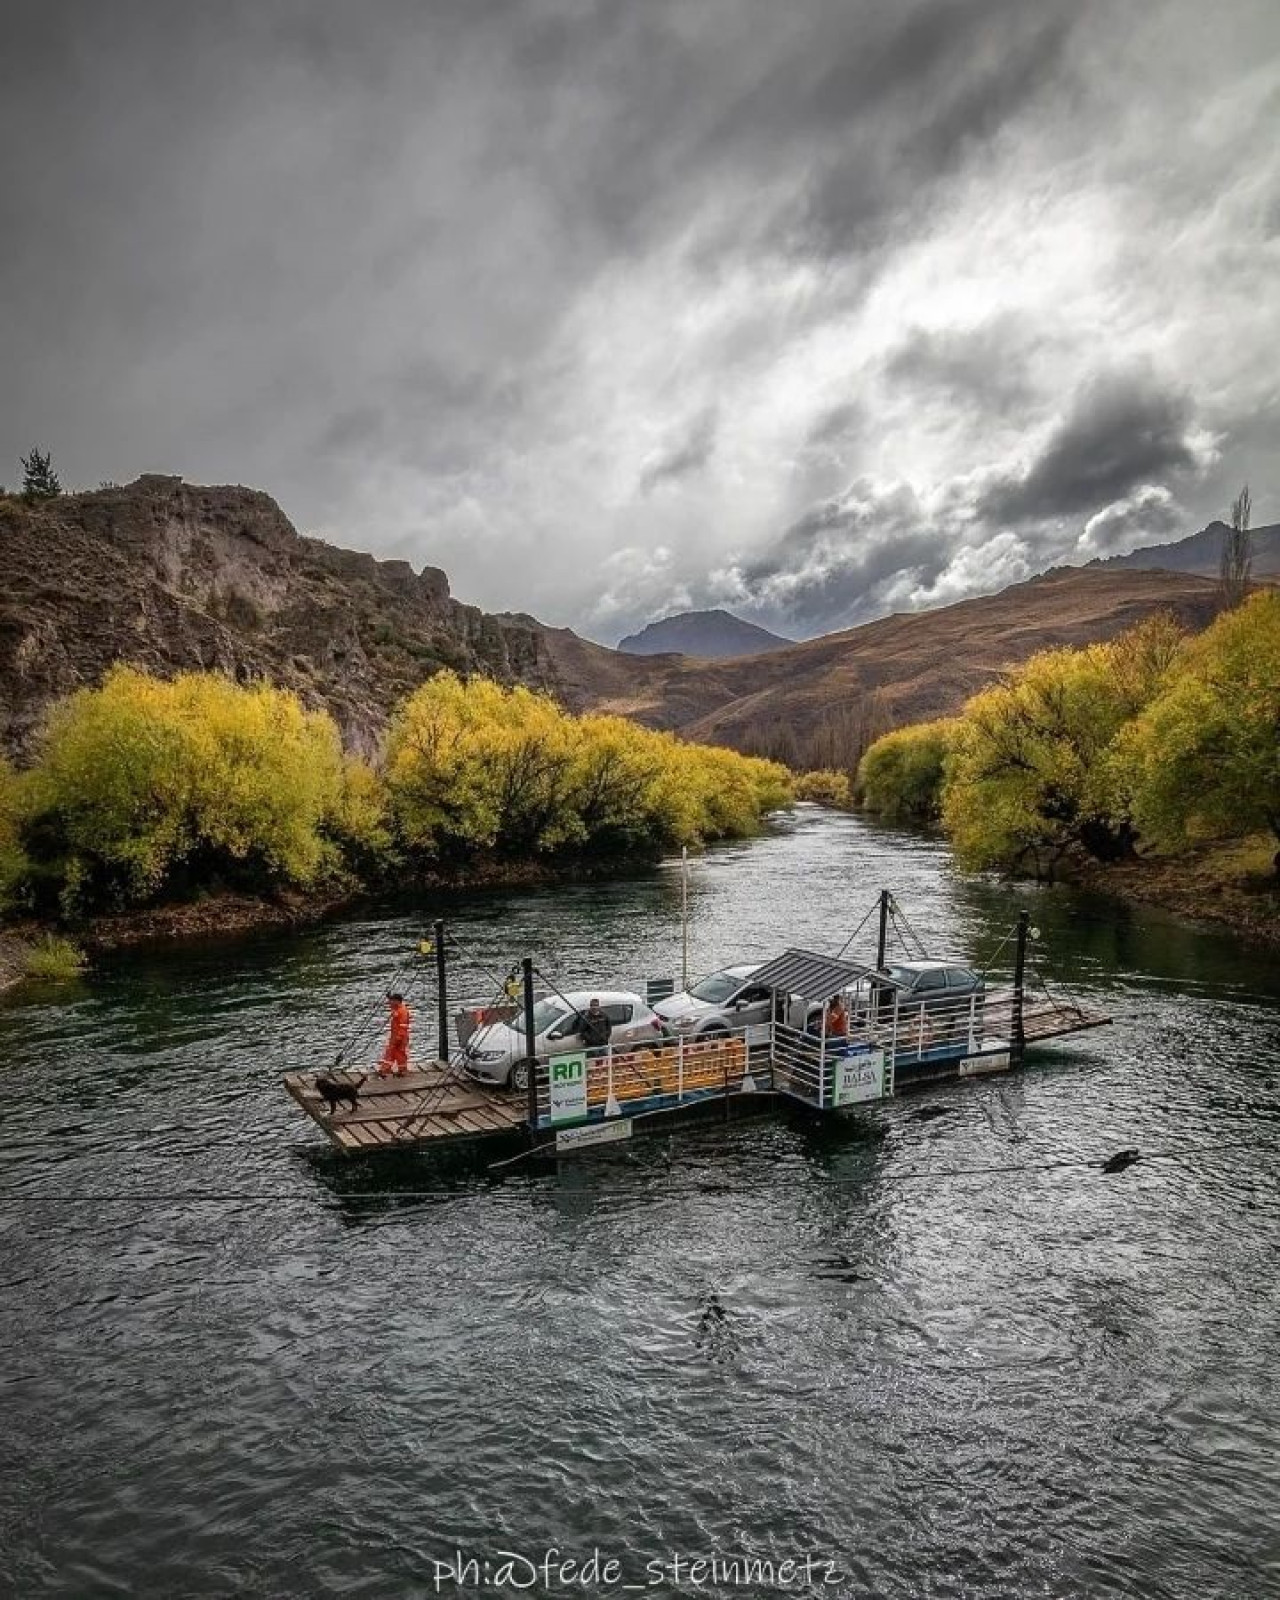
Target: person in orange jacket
(396, 1056)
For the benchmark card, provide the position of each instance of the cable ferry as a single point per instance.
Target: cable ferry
(804, 1029)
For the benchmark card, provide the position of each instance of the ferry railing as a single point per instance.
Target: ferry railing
(621, 1080)
(798, 1064)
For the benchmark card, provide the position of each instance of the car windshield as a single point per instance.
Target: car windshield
(717, 988)
(545, 1015)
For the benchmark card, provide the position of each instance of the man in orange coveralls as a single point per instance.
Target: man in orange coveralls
(396, 1055)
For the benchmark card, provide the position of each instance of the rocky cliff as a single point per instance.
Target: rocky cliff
(169, 575)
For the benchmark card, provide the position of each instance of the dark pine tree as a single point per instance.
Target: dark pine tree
(39, 480)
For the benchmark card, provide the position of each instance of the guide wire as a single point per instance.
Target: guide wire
(273, 1196)
(871, 910)
(364, 1027)
(898, 915)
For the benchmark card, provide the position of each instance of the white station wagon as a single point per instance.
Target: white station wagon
(496, 1051)
(718, 1003)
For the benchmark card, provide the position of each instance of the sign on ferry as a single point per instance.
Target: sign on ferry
(596, 1133)
(993, 1061)
(858, 1078)
(567, 1081)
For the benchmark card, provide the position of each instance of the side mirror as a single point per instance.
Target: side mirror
(555, 1034)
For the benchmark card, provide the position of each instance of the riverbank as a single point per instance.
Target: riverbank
(14, 953)
(1229, 884)
(225, 914)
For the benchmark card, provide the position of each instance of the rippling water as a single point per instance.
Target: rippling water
(762, 1341)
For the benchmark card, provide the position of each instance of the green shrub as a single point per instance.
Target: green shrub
(53, 959)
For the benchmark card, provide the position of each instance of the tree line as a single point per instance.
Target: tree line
(1154, 741)
(146, 790)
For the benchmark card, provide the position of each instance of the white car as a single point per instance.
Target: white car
(720, 1002)
(496, 1052)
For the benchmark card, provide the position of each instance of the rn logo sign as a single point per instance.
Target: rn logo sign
(858, 1078)
(567, 1076)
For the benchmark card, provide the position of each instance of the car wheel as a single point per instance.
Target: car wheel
(519, 1079)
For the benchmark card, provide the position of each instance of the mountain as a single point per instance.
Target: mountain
(168, 575)
(711, 634)
(1201, 552)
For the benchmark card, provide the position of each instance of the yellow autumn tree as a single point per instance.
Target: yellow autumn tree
(1204, 757)
(12, 861)
(1036, 765)
(825, 787)
(900, 775)
(476, 767)
(146, 786)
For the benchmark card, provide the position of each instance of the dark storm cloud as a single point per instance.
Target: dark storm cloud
(915, 117)
(986, 366)
(686, 454)
(531, 288)
(838, 423)
(1148, 516)
(1123, 429)
(830, 568)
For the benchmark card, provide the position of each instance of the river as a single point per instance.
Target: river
(236, 1364)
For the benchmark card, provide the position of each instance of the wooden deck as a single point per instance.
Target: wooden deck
(1054, 1020)
(426, 1107)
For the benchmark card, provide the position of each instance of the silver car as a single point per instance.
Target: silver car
(496, 1052)
(947, 996)
(718, 1003)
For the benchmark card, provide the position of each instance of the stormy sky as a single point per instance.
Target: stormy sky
(814, 309)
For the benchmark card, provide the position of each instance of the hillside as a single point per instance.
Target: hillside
(169, 575)
(845, 687)
(1201, 553)
(711, 634)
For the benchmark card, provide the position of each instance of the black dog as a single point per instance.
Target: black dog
(334, 1093)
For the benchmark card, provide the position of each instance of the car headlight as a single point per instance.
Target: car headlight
(488, 1055)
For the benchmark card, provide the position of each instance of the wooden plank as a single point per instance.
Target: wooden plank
(502, 1118)
(470, 1121)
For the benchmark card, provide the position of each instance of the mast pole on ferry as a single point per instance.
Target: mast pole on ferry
(684, 916)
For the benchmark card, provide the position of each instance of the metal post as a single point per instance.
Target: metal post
(1018, 1037)
(442, 994)
(882, 945)
(684, 916)
(530, 1046)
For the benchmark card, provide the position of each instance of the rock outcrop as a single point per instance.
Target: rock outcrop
(169, 576)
